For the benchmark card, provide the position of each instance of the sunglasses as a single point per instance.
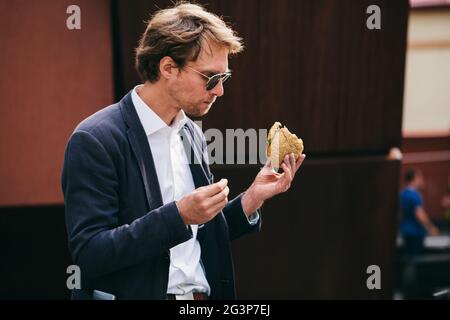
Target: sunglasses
(214, 80)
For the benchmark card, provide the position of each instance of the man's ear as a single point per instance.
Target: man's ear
(167, 67)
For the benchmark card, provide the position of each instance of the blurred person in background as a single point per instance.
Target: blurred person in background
(415, 222)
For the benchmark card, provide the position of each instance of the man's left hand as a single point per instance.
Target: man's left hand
(269, 183)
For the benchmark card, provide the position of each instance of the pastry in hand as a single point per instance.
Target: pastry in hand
(281, 142)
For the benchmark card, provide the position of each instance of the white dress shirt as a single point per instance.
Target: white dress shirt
(175, 181)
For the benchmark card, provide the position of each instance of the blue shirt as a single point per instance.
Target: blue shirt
(410, 200)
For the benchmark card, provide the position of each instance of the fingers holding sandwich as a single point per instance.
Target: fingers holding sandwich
(300, 161)
(290, 167)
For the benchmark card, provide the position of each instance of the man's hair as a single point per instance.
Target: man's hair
(178, 32)
(410, 174)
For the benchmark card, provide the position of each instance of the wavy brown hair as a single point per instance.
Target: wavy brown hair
(179, 32)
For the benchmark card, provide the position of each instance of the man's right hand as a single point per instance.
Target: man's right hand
(204, 203)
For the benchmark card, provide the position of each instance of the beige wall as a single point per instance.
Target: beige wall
(427, 83)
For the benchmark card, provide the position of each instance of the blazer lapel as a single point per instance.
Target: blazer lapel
(141, 149)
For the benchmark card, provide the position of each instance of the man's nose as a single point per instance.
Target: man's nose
(218, 89)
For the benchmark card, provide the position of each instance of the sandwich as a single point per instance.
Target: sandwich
(280, 142)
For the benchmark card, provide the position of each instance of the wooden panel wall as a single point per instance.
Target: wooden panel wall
(51, 79)
(312, 65)
(318, 239)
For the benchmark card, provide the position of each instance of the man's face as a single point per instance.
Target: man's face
(189, 88)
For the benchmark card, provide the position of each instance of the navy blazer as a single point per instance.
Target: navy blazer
(119, 231)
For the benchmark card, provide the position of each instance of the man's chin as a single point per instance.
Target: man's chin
(199, 111)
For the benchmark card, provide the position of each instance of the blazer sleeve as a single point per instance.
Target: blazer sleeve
(238, 223)
(98, 244)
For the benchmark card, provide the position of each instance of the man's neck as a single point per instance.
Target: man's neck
(158, 100)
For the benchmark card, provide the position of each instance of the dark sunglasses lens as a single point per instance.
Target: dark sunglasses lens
(215, 80)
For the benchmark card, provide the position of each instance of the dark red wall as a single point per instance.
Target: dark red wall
(51, 78)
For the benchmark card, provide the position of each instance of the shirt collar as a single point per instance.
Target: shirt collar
(150, 120)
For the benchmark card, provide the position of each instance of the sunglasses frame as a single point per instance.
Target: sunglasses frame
(222, 76)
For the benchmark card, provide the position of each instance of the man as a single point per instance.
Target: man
(144, 218)
(415, 224)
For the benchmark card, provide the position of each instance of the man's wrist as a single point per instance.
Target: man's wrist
(180, 208)
(250, 203)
